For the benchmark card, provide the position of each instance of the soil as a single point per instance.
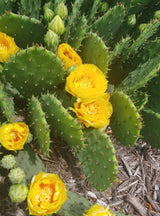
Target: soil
(136, 191)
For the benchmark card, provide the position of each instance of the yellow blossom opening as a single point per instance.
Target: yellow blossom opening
(94, 112)
(46, 195)
(8, 47)
(97, 210)
(14, 135)
(68, 56)
(86, 81)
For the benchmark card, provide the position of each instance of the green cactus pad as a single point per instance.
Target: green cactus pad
(62, 124)
(139, 98)
(98, 159)
(119, 48)
(94, 51)
(39, 125)
(34, 70)
(146, 32)
(29, 161)
(77, 33)
(72, 20)
(75, 205)
(125, 120)
(30, 8)
(108, 25)
(5, 5)
(153, 90)
(141, 75)
(25, 30)
(151, 127)
(7, 105)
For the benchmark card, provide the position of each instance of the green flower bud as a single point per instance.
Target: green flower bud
(16, 175)
(104, 7)
(62, 11)
(131, 20)
(51, 40)
(57, 25)
(157, 14)
(48, 14)
(18, 193)
(8, 161)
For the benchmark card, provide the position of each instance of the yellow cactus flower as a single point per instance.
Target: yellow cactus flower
(86, 81)
(97, 210)
(94, 112)
(46, 195)
(14, 135)
(8, 47)
(68, 56)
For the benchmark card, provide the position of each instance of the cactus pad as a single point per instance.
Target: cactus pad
(98, 159)
(108, 25)
(34, 70)
(144, 73)
(61, 122)
(25, 30)
(39, 125)
(29, 161)
(75, 205)
(7, 105)
(94, 51)
(151, 127)
(125, 120)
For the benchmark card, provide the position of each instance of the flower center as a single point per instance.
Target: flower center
(84, 82)
(91, 109)
(47, 192)
(14, 136)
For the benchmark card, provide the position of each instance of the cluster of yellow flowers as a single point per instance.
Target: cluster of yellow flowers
(88, 84)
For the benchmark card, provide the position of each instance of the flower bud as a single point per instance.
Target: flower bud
(57, 25)
(62, 11)
(157, 14)
(131, 20)
(18, 193)
(51, 39)
(104, 7)
(48, 14)
(16, 175)
(8, 161)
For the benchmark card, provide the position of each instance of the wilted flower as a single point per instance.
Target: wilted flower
(8, 161)
(13, 135)
(68, 56)
(16, 175)
(97, 210)
(86, 81)
(7, 47)
(94, 112)
(46, 195)
(18, 193)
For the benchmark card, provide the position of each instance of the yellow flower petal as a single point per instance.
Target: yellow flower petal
(94, 112)
(97, 210)
(14, 135)
(68, 56)
(7, 47)
(46, 195)
(86, 81)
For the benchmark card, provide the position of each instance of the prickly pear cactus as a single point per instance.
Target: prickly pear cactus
(118, 38)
